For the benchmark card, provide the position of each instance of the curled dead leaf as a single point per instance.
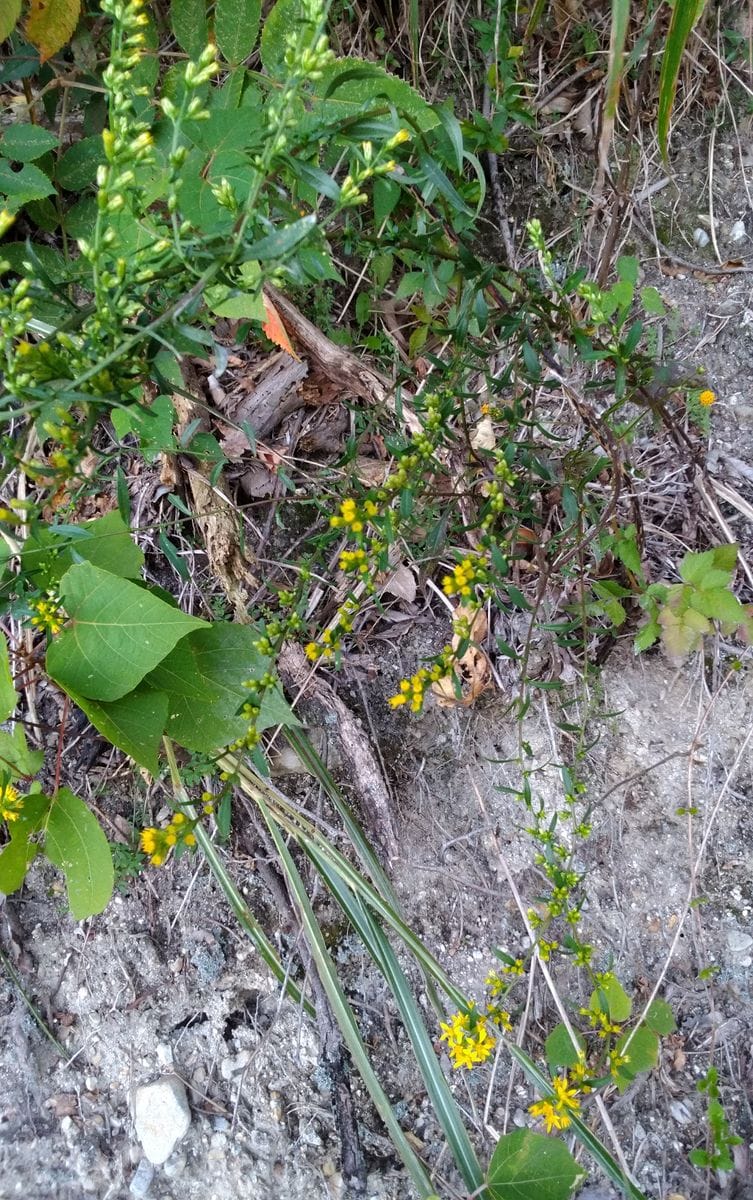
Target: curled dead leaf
(483, 437)
(473, 672)
(370, 471)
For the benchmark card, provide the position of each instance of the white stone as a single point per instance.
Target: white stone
(739, 942)
(161, 1117)
(738, 232)
(700, 237)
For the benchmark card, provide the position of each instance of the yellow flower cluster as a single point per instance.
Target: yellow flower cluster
(354, 560)
(412, 691)
(11, 803)
(600, 1021)
(47, 615)
(468, 1040)
(706, 398)
(464, 576)
(324, 649)
(157, 843)
(556, 1111)
(352, 517)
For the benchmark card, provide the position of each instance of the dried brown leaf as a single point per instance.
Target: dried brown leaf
(401, 583)
(483, 437)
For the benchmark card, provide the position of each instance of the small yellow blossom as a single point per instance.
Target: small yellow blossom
(551, 1116)
(468, 1040)
(11, 803)
(706, 398)
(47, 615)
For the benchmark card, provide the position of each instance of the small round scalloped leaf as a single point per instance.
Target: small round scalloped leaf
(530, 1166)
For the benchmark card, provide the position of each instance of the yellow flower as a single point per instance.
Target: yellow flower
(567, 1096)
(552, 1117)
(11, 803)
(468, 1039)
(706, 398)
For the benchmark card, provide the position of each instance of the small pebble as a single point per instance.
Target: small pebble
(739, 943)
(141, 1180)
(738, 232)
(161, 1116)
(700, 237)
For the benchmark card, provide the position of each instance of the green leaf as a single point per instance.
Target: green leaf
(341, 94)
(685, 13)
(559, 1048)
(135, 724)
(10, 11)
(27, 184)
(119, 632)
(611, 998)
(16, 756)
(236, 26)
(720, 605)
(642, 1049)
(725, 557)
(646, 636)
(282, 240)
(529, 1166)
(694, 566)
(617, 34)
(282, 18)
(627, 269)
(77, 846)
(8, 694)
(105, 542)
(188, 19)
(660, 1018)
(652, 302)
(228, 302)
(23, 143)
(78, 166)
(50, 24)
(682, 633)
(17, 856)
(151, 423)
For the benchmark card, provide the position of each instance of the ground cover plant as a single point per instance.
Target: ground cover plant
(175, 221)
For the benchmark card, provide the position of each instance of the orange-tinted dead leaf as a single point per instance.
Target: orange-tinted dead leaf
(275, 330)
(50, 24)
(473, 669)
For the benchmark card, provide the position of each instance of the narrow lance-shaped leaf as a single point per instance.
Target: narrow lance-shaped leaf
(685, 13)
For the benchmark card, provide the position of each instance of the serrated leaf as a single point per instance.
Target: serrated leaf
(530, 1166)
(10, 11)
(16, 756)
(719, 604)
(75, 844)
(694, 566)
(224, 301)
(281, 20)
(559, 1048)
(682, 634)
(27, 184)
(725, 557)
(50, 25)
(652, 302)
(78, 166)
(135, 724)
(105, 542)
(610, 997)
(8, 694)
(118, 634)
(236, 27)
(23, 143)
(188, 19)
(660, 1018)
(18, 855)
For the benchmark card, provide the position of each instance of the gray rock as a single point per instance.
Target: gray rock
(738, 232)
(141, 1180)
(161, 1116)
(700, 237)
(739, 942)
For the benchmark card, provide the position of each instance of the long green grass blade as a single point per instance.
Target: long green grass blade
(609, 1165)
(342, 1010)
(685, 13)
(617, 36)
(307, 834)
(443, 1102)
